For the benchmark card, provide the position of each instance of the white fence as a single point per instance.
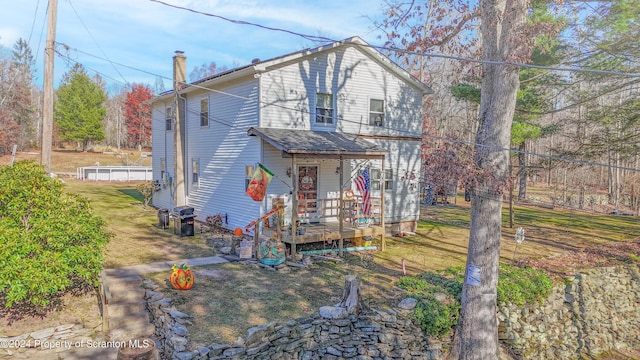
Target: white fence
(115, 173)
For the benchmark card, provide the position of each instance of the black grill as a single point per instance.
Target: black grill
(183, 221)
(183, 210)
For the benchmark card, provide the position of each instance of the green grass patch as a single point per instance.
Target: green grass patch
(438, 294)
(137, 238)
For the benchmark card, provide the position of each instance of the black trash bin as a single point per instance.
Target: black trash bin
(163, 218)
(183, 221)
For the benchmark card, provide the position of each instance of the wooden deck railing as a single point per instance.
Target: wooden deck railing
(318, 210)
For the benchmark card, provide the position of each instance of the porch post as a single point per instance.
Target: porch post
(341, 209)
(383, 243)
(294, 206)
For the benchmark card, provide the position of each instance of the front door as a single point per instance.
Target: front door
(307, 190)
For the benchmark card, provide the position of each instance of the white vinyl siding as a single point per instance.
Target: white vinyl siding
(288, 95)
(162, 145)
(401, 201)
(284, 96)
(223, 150)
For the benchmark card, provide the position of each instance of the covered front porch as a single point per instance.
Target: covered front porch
(330, 213)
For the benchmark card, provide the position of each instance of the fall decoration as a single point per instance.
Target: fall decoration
(181, 277)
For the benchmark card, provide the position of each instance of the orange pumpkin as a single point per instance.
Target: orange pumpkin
(181, 277)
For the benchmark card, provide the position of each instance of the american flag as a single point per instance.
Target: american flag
(362, 184)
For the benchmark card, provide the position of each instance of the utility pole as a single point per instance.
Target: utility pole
(47, 108)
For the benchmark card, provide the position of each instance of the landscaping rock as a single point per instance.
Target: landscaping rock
(408, 304)
(333, 312)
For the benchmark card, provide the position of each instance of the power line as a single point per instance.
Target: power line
(112, 62)
(321, 39)
(66, 57)
(432, 137)
(33, 24)
(241, 22)
(94, 40)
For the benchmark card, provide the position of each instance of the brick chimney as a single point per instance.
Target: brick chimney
(179, 70)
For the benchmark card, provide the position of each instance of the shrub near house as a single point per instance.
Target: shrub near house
(51, 241)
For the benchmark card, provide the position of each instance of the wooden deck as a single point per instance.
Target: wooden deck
(327, 232)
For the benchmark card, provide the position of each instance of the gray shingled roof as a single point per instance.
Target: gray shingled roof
(310, 142)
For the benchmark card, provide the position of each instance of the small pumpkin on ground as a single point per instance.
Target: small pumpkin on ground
(181, 277)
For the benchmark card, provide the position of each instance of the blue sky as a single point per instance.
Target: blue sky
(144, 34)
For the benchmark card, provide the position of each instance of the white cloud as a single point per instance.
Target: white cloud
(9, 36)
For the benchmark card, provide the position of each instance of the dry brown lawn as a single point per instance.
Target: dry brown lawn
(230, 298)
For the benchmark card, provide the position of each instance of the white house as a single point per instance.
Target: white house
(315, 118)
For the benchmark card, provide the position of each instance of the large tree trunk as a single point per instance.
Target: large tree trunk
(477, 332)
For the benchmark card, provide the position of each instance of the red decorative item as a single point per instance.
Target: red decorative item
(257, 188)
(181, 277)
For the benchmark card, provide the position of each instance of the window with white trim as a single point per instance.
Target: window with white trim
(248, 174)
(388, 179)
(376, 179)
(324, 108)
(204, 112)
(195, 170)
(376, 112)
(168, 118)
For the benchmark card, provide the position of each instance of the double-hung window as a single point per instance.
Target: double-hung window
(376, 179)
(324, 108)
(204, 112)
(388, 179)
(195, 167)
(168, 118)
(376, 112)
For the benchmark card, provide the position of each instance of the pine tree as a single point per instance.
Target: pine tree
(80, 108)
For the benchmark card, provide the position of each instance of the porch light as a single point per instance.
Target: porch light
(337, 170)
(289, 171)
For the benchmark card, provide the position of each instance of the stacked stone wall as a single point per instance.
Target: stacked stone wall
(587, 314)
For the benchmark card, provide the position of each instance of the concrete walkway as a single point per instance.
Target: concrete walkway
(166, 265)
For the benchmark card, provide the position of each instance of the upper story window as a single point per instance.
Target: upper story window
(376, 112)
(324, 108)
(204, 112)
(168, 118)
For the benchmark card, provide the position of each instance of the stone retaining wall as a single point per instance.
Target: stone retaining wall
(587, 315)
(368, 336)
(591, 313)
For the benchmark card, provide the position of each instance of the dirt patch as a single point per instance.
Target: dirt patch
(571, 262)
(209, 273)
(77, 310)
